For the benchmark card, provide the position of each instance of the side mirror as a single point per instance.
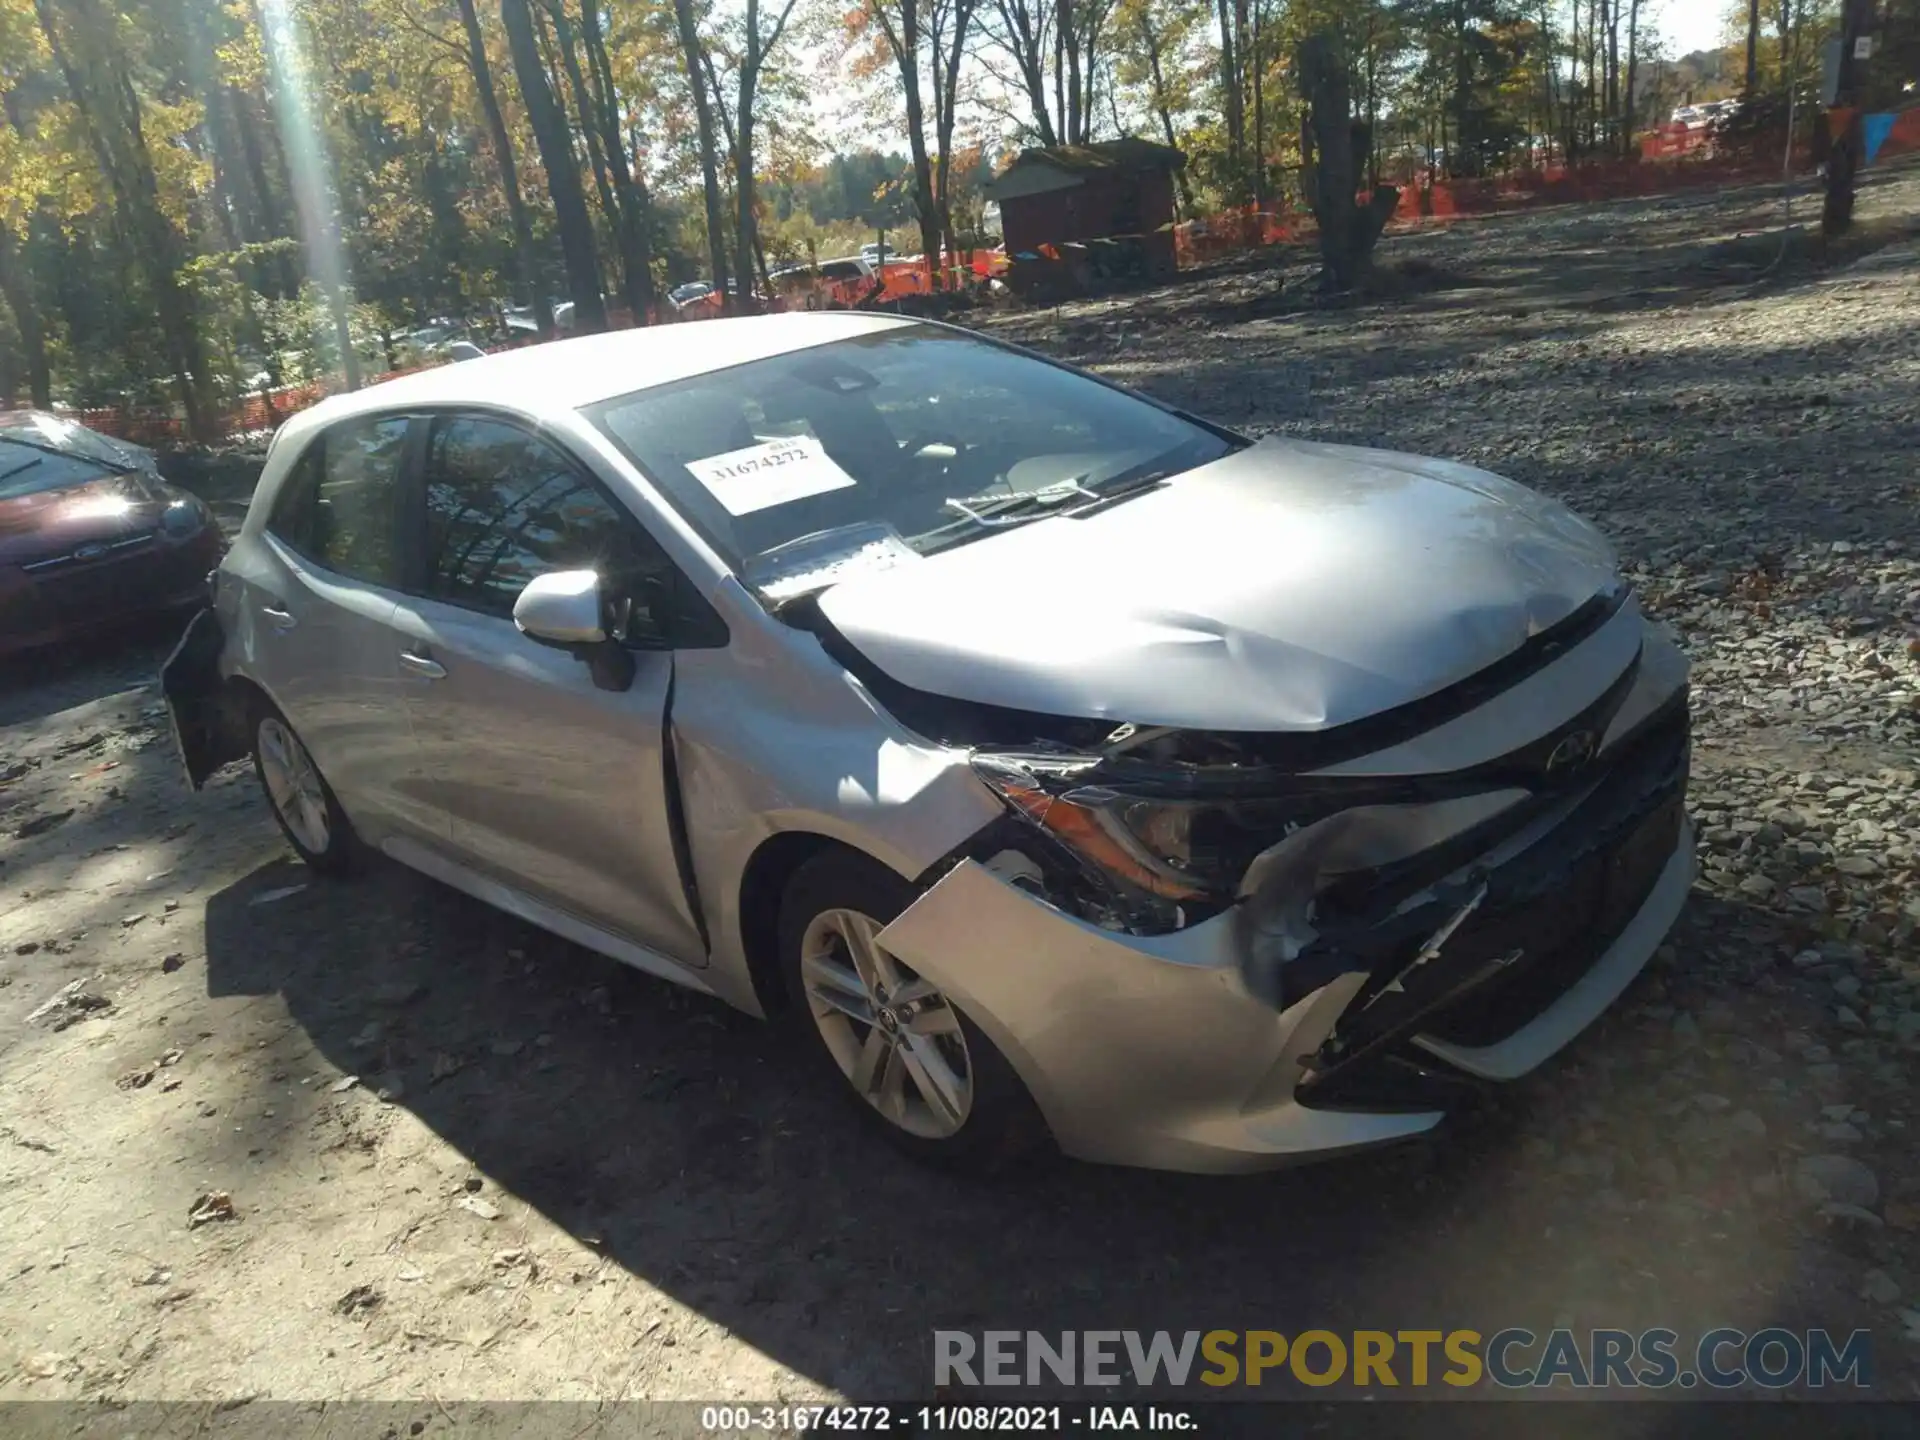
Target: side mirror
(568, 610)
(564, 608)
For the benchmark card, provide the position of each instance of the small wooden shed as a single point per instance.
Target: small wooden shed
(1076, 215)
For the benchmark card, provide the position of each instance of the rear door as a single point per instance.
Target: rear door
(316, 616)
(549, 784)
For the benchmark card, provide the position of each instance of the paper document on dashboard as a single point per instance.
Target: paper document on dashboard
(771, 473)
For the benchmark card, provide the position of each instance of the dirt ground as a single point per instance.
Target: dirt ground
(466, 1161)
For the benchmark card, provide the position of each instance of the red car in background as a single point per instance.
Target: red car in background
(91, 537)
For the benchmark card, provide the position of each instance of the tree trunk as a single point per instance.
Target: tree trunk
(18, 292)
(1753, 48)
(903, 41)
(1843, 158)
(636, 252)
(1337, 149)
(948, 55)
(745, 229)
(1027, 43)
(273, 210)
(1633, 75)
(633, 278)
(563, 171)
(522, 271)
(1151, 42)
(101, 87)
(1230, 93)
(709, 165)
(1594, 78)
(1259, 123)
(1067, 29)
(907, 53)
(1571, 109)
(1603, 31)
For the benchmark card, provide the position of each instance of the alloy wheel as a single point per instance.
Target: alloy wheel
(896, 1038)
(293, 785)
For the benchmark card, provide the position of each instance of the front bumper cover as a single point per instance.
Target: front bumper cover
(1150, 1050)
(1157, 1050)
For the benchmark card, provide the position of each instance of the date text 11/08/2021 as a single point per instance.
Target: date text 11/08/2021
(945, 1419)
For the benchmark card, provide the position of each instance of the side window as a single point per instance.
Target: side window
(504, 506)
(338, 507)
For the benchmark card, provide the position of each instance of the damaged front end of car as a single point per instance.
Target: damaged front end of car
(1452, 910)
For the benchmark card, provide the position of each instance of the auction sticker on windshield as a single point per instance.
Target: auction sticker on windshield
(770, 473)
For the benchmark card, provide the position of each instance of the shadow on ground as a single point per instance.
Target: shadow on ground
(676, 1137)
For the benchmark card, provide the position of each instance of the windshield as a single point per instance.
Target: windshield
(27, 469)
(50, 432)
(930, 433)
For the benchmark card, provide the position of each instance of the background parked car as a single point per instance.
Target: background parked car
(91, 537)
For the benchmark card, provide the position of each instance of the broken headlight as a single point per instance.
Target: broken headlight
(1185, 849)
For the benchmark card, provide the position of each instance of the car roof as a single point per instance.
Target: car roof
(563, 375)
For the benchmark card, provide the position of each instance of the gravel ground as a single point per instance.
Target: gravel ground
(284, 1139)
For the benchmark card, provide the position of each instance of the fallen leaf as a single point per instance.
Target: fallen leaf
(214, 1205)
(474, 1205)
(360, 1297)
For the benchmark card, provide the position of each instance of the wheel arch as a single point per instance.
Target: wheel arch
(762, 884)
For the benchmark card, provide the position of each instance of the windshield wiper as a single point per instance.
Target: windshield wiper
(1011, 509)
(23, 465)
(991, 512)
(1113, 494)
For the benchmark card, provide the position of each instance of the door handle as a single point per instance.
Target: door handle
(422, 665)
(282, 619)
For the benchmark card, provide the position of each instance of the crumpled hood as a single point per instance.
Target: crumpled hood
(1288, 586)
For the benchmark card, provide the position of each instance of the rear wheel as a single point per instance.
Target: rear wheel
(903, 1052)
(303, 803)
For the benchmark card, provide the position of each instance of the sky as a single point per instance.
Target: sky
(1690, 25)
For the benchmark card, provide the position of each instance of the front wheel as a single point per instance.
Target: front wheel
(303, 803)
(904, 1053)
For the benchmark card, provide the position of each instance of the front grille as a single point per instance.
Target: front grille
(125, 582)
(1559, 938)
(94, 554)
(1549, 913)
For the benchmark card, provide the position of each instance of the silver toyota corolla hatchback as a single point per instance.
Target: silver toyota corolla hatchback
(1058, 763)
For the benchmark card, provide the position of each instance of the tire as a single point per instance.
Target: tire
(303, 804)
(974, 1115)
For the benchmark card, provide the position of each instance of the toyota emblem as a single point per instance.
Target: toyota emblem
(1571, 753)
(89, 552)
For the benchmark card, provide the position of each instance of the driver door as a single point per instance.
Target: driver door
(549, 784)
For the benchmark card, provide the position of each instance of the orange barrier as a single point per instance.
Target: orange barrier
(1672, 158)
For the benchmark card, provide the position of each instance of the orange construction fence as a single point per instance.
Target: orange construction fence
(1672, 158)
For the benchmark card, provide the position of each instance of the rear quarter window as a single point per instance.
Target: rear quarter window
(339, 506)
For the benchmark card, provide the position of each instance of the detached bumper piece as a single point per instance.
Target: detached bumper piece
(1532, 927)
(206, 733)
